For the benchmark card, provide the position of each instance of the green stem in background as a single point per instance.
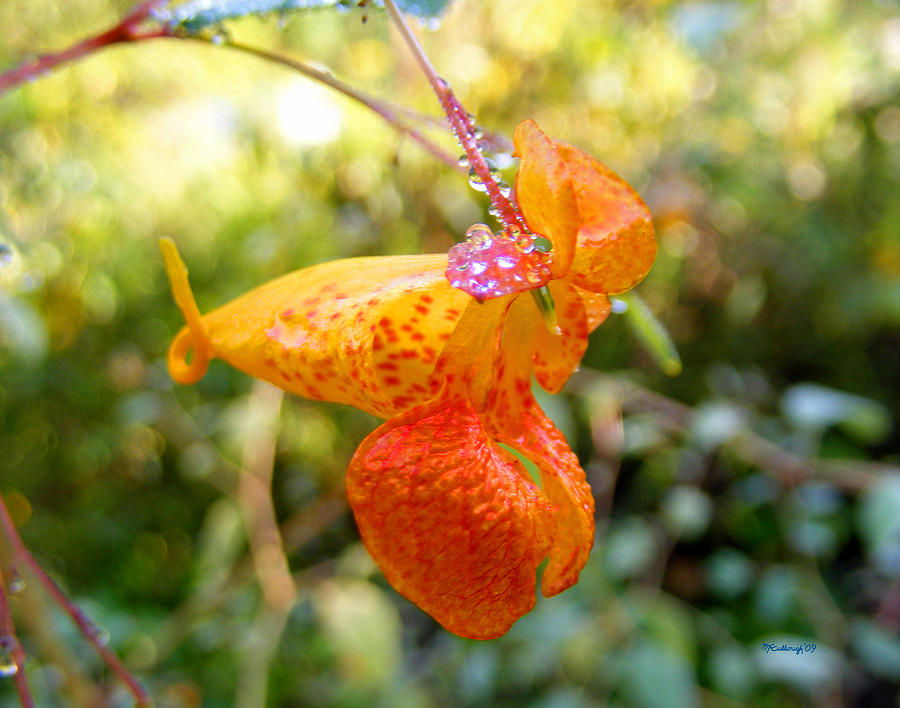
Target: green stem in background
(651, 333)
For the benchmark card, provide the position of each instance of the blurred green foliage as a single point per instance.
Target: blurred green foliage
(765, 137)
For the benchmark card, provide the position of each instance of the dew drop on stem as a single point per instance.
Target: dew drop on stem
(8, 666)
(16, 583)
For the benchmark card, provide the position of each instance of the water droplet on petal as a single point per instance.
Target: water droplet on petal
(477, 132)
(505, 189)
(617, 306)
(524, 243)
(463, 160)
(497, 264)
(480, 236)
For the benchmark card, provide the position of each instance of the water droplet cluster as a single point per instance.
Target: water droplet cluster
(488, 264)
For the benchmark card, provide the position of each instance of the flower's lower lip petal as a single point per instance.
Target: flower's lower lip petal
(564, 483)
(453, 521)
(514, 418)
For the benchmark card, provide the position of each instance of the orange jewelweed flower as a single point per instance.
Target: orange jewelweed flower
(445, 350)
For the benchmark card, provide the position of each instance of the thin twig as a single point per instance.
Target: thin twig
(128, 30)
(462, 125)
(254, 494)
(45, 637)
(11, 644)
(84, 624)
(788, 468)
(391, 114)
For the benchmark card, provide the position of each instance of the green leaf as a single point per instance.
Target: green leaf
(424, 8)
(817, 407)
(877, 647)
(197, 15)
(650, 331)
(656, 678)
(879, 523)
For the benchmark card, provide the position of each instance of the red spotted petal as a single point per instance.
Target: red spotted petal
(361, 331)
(452, 520)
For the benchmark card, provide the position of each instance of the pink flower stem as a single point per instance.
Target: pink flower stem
(461, 124)
(11, 644)
(128, 30)
(391, 114)
(87, 628)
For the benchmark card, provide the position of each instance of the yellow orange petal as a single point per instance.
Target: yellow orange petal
(469, 358)
(362, 331)
(452, 520)
(616, 240)
(544, 193)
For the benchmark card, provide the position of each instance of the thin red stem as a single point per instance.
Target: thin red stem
(88, 628)
(128, 30)
(461, 124)
(389, 113)
(8, 634)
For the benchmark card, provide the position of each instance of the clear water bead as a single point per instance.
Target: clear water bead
(475, 182)
(8, 665)
(488, 265)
